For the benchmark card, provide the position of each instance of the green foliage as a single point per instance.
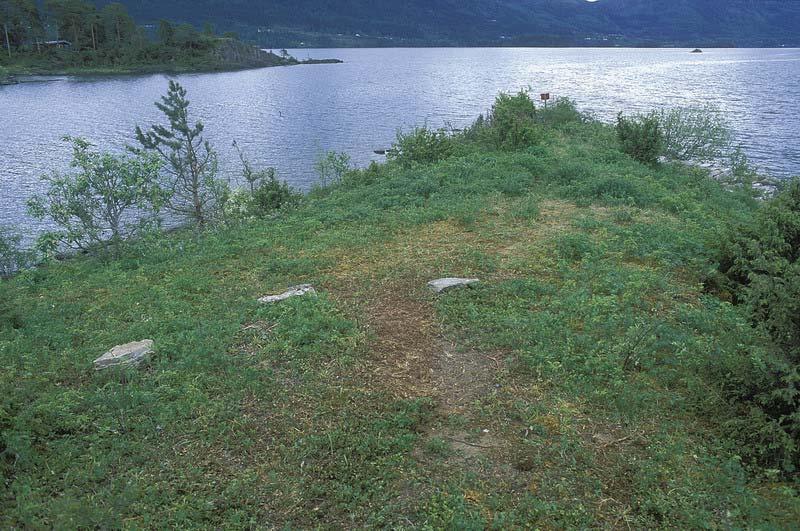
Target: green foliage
(760, 264)
(561, 113)
(195, 192)
(108, 40)
(273, 194)
(331, 167)
(269, 196)
(694, 134)
(510, 124)
(119, 27)
(107, 201)
(573, 247)
(641, 137)
(738, 173)
(20, 21)
(250, 175)
(12, 256)
(166, 32)
(421, 146)
(265, 194)
(75, 21)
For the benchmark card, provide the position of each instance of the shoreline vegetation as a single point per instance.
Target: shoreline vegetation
(628, 357)
(73, 37)
(17, 74)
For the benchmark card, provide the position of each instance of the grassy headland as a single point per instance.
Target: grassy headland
(582, 383)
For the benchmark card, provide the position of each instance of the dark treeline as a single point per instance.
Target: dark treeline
(74, 34)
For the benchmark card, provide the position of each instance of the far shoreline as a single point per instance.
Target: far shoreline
(11, 75)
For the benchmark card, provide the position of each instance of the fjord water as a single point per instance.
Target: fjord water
(285, 117)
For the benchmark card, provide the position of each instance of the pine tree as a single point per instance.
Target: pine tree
(190, 161)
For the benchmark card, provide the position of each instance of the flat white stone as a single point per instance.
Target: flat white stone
(128, 354)
(294, 291)
(443, 284)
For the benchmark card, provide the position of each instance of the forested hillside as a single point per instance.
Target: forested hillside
(384, 22)
(68, 36)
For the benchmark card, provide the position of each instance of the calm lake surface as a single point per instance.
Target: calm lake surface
(286, 117)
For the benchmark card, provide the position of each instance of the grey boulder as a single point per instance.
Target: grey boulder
(294, 291)
(128, 354)
(443, 284)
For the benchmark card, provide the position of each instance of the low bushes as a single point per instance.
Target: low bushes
(110, 199)
(509, 125)
(107, 200)
(12, 257)
(421, 146)
(760, 269)
(264, 195)
(761, 265)
(561, 113)
(641, 137)
(332, 167)
(511, 122)
(694, 134)
(266, 198)
(699, 135)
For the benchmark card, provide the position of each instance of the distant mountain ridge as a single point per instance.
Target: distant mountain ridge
(288, 23)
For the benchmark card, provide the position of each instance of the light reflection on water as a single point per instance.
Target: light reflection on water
(285, 117)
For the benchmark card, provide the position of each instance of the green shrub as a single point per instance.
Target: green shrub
(760, 267)
(613, 187)
(422, 146)
(12, 257)
(272, 194)
(266, 198)
(363, 176)
(511, 122)
(739, 173)
(696, 134)
(641, 137)
(331, 167)
(562, 112)
(763, 271)
(265, 193)
(107, 200)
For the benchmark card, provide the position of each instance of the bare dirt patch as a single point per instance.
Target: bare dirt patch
(411, 357)
(405, 344)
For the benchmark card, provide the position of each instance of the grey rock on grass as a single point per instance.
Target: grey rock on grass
(294, 291)
(127, 354)
(443, 284)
